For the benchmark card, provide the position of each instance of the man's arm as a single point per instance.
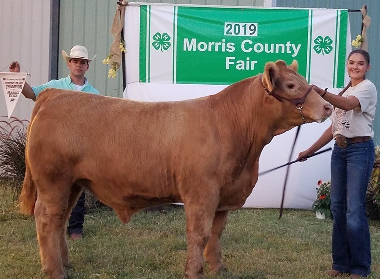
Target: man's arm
(27, 90)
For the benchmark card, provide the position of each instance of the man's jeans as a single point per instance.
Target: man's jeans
(351, 170)
(77, 216)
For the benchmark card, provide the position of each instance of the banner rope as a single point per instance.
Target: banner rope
(20, 66)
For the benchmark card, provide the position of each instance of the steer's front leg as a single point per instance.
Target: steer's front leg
(213, 251)
(199, 217)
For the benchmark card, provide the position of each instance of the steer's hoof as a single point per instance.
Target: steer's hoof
(219, 269)
(63, 276)
(199, 276)
(68, 265)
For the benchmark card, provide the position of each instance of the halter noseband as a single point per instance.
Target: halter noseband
(297, 102)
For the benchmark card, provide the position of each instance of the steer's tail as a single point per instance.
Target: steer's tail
(28, 194)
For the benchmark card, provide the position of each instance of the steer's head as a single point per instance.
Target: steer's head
(295, 99)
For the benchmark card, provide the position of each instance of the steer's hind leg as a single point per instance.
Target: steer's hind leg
(50, 221)
(213, 251)
(199, 216)
(76, 190)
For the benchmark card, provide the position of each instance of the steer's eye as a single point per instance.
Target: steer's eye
(290, 86)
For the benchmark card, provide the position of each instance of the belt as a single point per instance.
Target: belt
(343, 142)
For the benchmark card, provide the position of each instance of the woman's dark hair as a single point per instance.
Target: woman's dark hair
(362, 52)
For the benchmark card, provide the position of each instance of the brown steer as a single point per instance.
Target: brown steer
(131, 155)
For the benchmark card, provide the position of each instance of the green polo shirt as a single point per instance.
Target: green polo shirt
(64, 83)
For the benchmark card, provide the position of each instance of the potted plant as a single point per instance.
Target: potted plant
(321, 205)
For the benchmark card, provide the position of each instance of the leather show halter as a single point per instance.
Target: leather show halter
(297, 102)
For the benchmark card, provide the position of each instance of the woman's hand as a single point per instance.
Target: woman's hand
(302, 156)
(320, 91)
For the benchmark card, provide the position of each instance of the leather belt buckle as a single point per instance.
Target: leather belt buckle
(341, 141)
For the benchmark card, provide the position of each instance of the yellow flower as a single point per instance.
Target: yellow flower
(114, 65)
(112, 73)
(122, 46)
(357, 42)
(112, 70)
(107, 59)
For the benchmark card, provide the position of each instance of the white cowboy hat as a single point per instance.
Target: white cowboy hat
(77, 51)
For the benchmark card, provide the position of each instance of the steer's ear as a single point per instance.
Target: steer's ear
(271, 75)
(294, 66)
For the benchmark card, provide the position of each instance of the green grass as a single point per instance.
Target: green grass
(256, 245)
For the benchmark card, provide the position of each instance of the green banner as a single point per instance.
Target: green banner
(218, 45)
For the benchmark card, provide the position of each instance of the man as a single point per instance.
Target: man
(78, 64)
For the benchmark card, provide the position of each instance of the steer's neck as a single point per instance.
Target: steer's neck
(245, 108)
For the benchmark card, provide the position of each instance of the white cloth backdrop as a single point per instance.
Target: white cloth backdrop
(318, 69)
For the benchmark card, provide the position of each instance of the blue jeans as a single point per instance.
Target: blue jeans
(351, 170)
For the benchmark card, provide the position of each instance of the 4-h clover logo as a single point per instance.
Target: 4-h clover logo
(323, 45)
(161, 42)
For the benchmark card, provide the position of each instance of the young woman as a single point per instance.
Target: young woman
(352, 161)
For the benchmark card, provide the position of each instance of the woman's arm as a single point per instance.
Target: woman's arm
(348, 103)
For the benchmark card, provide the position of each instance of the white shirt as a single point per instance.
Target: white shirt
(357, 122)
(80, 87)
